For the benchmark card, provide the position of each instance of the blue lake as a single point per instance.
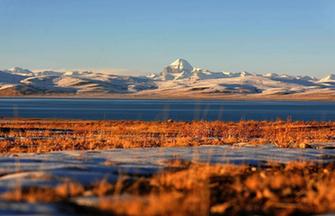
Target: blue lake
(180, 110)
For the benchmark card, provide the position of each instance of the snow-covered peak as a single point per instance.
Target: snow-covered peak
(18, 70)
(179, 69)
(79, 73)
(271, 75)
(329, 78)
(48, 73)
(181, 65)
(245, 73)
(183, 70)
(307, 78)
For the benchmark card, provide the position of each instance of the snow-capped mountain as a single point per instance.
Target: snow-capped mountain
(182, 77)
(181, 69)
(20, 71)
(72, 82)
(179, 78)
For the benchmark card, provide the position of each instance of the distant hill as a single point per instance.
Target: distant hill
(179, 79)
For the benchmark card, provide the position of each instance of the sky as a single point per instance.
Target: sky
(140, 37)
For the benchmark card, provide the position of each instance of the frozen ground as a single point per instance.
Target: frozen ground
(88, 167)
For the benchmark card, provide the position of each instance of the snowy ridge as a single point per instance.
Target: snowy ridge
(178, 77)
(329, 78)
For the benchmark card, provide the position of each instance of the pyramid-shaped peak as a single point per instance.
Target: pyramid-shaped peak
(182, 64)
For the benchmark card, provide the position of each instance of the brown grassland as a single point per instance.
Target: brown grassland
(200, 189)
(182, 188)
(29, 135)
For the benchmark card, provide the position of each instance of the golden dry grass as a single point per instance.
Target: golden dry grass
(202, 189)
(29, 135)
(183, 188)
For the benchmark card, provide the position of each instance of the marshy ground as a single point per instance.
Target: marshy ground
(57, 135)
(58, 167)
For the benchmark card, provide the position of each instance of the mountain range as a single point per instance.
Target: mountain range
(179, 79)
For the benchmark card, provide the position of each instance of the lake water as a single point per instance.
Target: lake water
(182, 110)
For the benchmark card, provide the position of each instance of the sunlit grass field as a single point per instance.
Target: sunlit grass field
(181, 187)
(29, 135)
(198, 189)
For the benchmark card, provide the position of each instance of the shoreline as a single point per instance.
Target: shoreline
(291, 98)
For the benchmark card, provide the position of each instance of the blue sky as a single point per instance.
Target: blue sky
(283, 36)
